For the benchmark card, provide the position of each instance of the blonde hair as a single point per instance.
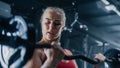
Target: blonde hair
(56, 9)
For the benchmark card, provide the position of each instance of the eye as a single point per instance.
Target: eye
(57, 23)
(47, 21)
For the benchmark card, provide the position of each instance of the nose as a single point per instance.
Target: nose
(51, 26)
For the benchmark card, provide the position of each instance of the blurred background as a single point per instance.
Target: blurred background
(92, 26)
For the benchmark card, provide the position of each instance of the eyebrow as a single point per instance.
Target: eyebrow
(51, 19)
(47, 18)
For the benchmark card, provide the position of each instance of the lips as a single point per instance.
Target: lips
(50, 33)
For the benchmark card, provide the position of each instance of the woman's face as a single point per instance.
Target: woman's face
(52, 25)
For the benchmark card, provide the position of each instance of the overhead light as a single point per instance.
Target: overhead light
(113, 8)
(106, 2)
(81, 26)
(8, 34)
(110, 7)
(106, 44)
(3, 32)
(99, 43)
(117, 12)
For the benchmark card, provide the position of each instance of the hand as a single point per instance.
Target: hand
(54, 54)
(100, 57)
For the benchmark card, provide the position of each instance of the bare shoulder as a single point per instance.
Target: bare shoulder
(36, 60)
(40, 53)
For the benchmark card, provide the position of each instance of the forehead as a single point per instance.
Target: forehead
(52, 14)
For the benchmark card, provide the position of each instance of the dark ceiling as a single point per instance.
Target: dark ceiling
(103, 25)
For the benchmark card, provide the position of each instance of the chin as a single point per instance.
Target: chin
(50, 38)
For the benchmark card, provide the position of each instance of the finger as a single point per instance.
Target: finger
(55, 44)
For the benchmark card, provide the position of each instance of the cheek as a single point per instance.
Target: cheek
(44, 28)
(59, 30)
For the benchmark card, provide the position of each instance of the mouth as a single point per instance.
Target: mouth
(50, 33)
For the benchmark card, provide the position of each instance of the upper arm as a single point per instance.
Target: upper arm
(36, 60)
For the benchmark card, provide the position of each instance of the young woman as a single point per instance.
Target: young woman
(52, 22)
